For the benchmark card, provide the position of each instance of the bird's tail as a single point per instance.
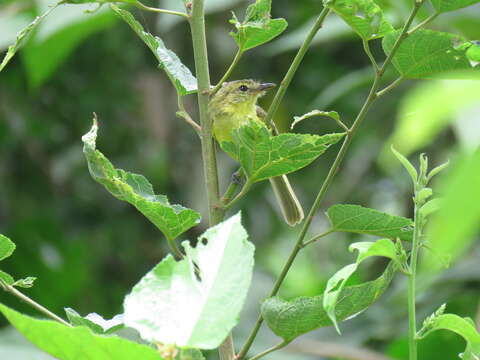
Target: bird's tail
(291, 209)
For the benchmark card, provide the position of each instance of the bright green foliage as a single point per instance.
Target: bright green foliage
(331, 114)
(25, 283)
(172, 220)
(73, 343)
(406, 164)
(365, 17)
(290, 319)
(190, 354)
(428, 54)
(257, 28)
(179, 74)
(263, 155)
(473, 51)
(95, 322)
(336, 284)
(361, 220)
(453, 227)
(7, 247)
(21, 39)
(449, 5)
(464, 327)
(172, 305)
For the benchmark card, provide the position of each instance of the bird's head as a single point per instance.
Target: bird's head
(242, 93)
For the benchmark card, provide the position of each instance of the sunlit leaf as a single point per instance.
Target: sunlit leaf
(190, 354)
(179, 74)
(365, 17)
(361, 220)
(7, 247)
(473, 51)
(26, 282)
(449, 5)
(464, 327)
(196, 301)
(290, 319)
(95, 322)
(406, 164)
(73, 343)
(257, 28)
(428, 54)
(331, 114)
(171, 220)
(21, 38)
(263, 155)
(6, 277)
(336, 284)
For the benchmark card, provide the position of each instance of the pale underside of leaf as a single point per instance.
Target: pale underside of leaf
(449, 5)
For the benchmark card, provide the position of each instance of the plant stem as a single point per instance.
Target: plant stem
(272, 349)
(294, 66)
(390, 87)
(241, 194)
(163, 11)
(317, 237)
(424, 22)
(32, 303)
(197, 26)
(225, 77)
(412, 325)
(366, 48)
(372, 96)
(182, 113)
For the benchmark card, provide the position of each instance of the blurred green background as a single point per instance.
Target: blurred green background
(88, 249)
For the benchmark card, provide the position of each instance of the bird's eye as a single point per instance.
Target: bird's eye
(243, 88)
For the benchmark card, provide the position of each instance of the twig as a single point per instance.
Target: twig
(272, 349)
(366, 48)
(32, 303)
(225, 77)
(423, 23)
(163, 11)
(332, 172)
(182, 113)
(390, 87)
(317, 237)
(246, 187)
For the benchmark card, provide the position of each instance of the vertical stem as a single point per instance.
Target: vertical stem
(412, 324)
(197, 25)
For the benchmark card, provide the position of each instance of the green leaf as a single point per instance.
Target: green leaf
(73, 343)
(263, 155)
(290, 319)
(431, 207)
(179, 74)
(331, 114)
(335, 285)
(7, 247)
(171, 220)
(361, 220)
(22, 36)
(454, 227)
(95, 322)
(449, 5)
(428, 54)
(365, 17)
(257, 27)
(406, 164)
(26, 282)
(191, 354)
(6, 277)
(473, 51)
(195, 302)
(464, 327)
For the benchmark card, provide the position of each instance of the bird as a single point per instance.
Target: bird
(235, 105)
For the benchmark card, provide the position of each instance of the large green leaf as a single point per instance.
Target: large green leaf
(22, 36)
(429, 54)
(290, 319)
(449, 5)
(172, 220)
(454, 228)
(7, 247)
(365, 17)
(336, 284)
(263, 155)
(73, 343)
(257, 28)
(464, 327)
(95, 322)
(196, 301)
(360, 220)
(179, 74)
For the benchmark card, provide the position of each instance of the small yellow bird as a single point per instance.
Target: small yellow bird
(234, 105)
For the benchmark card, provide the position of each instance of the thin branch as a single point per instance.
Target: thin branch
(174, 248)
(294, 66)
(317, 237)
(225, 77)
(246, 187)
(182, 113)
(423, 23)
(163, 11)
(390, 87)
(232, 188)
(332, 172)
(272, 349)
(32, 303)
(368, 51)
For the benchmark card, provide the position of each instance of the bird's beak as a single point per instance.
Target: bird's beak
(266, 86)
